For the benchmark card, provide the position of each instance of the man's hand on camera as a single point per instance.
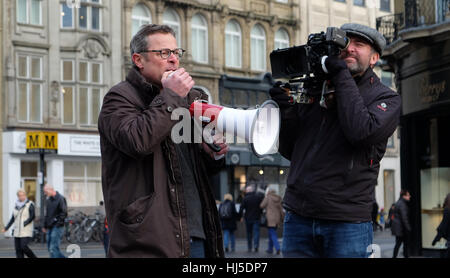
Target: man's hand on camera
(178, 81)
(334, 65)
(279, 95)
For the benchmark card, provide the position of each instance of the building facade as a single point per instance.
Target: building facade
(60, 58)
(419, 55)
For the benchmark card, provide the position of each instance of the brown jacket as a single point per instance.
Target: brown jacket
(141, 174)
(274, 209)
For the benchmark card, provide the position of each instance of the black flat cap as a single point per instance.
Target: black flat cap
(369, 34)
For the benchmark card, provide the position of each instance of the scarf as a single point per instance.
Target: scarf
(19, 204)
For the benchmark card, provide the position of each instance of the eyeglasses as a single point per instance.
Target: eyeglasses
(165, 53)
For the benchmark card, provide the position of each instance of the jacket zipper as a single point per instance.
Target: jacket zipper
(178, 202)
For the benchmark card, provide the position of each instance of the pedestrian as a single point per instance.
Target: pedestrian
(275, 215)
(228, 217)
(22, 219)
(443, 230)
(401, 227)
(56, 213)
(251, 211)
(105, 229)
(391, 215)
(382, 221)
(145, 174)
(335, 146)
(375, 215)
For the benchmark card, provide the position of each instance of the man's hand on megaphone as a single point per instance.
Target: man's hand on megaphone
(178, 81)
(334, 65)
(219, 141)
(280, 94)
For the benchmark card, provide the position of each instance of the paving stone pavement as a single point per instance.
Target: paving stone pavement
(383, 239)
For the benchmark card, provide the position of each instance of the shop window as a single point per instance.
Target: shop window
(82, 183)
(28, 174)
(434, 175)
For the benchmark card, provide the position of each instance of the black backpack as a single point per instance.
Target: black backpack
(226, 210)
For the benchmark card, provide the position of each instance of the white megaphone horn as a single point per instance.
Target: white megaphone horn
(259, 127)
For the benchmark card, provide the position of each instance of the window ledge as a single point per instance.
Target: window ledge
(39, 26)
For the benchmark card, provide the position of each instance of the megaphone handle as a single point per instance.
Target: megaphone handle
(214, 147)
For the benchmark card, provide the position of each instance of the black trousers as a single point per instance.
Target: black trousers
(22, 249)
(398, 241)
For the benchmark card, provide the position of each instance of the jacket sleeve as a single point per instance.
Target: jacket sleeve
(11, 221)
(62, 211)
(405, 217)
(288, 131)
(242, 208)
(361, 124)
(137, 132)
(264, 203)
(32, 215)
(212, 166)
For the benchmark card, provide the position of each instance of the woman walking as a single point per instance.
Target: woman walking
(274, 215)
(22, 218)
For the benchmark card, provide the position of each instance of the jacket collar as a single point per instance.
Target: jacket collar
(146, 90)
(366, 76)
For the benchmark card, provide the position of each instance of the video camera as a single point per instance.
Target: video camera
(304, 65)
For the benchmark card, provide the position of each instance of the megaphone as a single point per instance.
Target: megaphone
(259, 127)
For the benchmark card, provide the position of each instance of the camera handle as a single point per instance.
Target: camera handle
(327, 95)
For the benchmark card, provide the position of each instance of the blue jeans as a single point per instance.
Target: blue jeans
(197, 248)
(273, 240)
(53, 240)
(252, 233)
(228, 235)
(313, 238)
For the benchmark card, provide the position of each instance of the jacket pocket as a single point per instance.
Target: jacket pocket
(135, 212)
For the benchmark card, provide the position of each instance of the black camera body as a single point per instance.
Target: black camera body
(304, 60)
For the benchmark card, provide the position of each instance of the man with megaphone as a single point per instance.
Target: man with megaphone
(158, 199)
(335, 145)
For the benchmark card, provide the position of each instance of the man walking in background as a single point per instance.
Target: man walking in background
(56, 213)
(252, 213)
(400, 225)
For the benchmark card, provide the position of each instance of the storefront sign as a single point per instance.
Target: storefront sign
(77, 144)
(83, 144)
(37, 141)
(424, 90)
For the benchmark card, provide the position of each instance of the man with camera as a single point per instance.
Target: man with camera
(335, 151)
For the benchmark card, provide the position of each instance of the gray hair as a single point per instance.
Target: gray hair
(139, 42)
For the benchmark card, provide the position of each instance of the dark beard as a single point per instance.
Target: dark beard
(357, 68)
